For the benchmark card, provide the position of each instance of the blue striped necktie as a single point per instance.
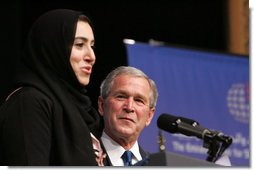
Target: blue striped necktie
(127, 157)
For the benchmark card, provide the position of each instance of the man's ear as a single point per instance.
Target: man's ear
(100, 105)
(150, 116)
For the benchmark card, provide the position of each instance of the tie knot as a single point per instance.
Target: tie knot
(127, 157)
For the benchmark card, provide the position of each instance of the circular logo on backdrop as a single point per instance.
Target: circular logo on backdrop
(238, 102)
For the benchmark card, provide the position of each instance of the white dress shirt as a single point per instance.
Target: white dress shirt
(115, 151)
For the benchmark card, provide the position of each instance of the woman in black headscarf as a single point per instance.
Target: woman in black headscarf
(48, 119)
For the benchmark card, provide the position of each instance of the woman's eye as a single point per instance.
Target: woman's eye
(79, 45)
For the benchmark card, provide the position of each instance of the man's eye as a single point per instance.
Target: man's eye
(120, 96)
(140, 101)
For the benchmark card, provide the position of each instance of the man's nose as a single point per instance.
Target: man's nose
(129, 105)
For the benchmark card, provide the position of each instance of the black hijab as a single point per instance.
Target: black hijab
(46, 66)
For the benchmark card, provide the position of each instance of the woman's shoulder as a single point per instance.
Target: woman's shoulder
(27, 92)
(29, 96)
(27, 101)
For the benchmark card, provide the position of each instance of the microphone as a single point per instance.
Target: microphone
(189, 127)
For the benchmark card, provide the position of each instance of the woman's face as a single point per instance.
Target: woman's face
(82, 56)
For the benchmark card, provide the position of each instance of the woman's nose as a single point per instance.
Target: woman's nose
(90, 56)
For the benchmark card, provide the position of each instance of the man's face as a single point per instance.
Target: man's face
(126, 110)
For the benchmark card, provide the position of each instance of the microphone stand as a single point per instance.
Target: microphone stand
(226, 142)
(216, 144)
(212, 145)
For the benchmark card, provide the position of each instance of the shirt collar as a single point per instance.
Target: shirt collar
(115, 151)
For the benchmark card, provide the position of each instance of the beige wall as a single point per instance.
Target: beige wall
(238, 35)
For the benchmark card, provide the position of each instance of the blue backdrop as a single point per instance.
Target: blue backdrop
(211, 88)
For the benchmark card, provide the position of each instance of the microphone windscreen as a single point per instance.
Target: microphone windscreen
(167, 122)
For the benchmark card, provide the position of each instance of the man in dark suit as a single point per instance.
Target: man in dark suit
(127, 103)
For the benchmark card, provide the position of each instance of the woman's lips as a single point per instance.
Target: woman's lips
(87, 70)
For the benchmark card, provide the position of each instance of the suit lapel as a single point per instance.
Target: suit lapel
(143, 153)
(106, 161)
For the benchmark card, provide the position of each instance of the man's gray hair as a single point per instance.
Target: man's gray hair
(108, 82)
